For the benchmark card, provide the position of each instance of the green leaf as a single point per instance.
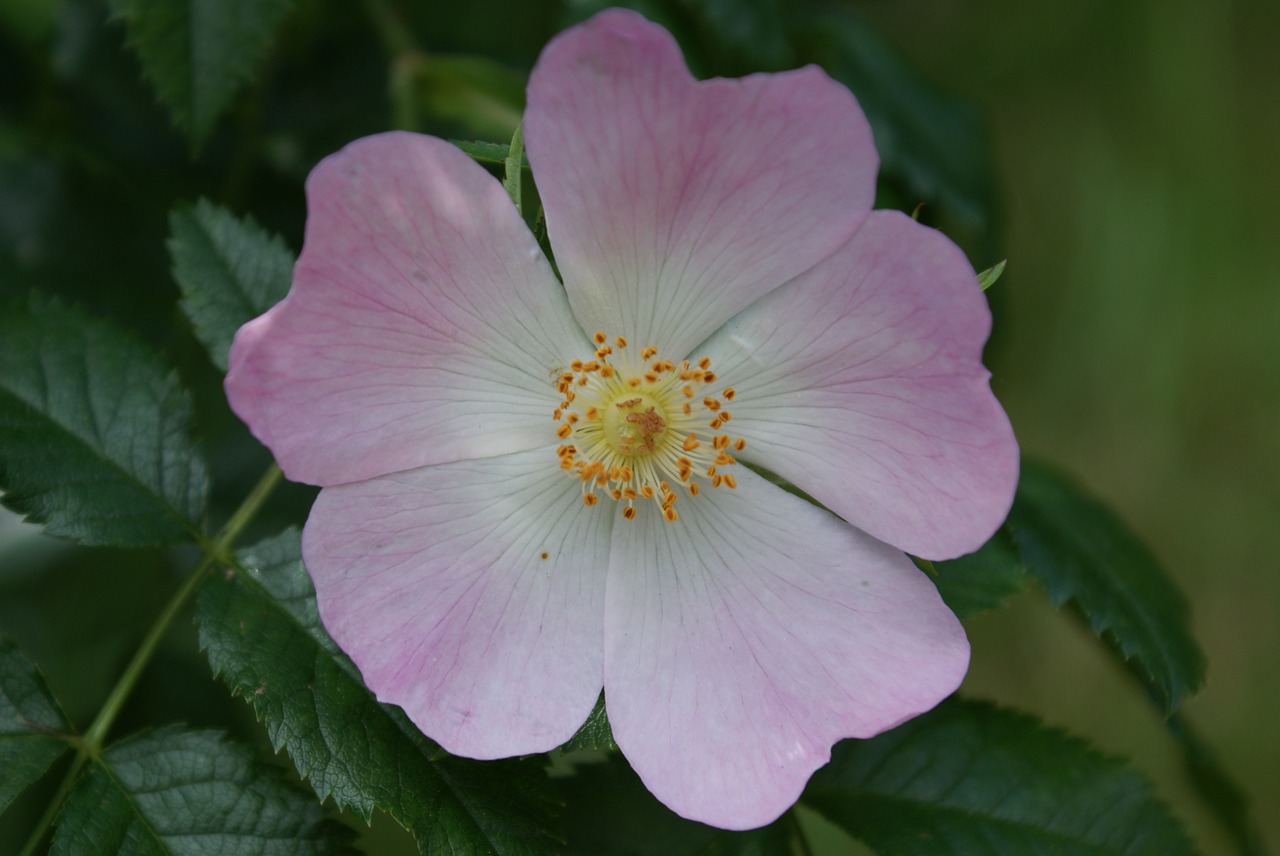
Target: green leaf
(932, 142)
(95, 431)
(988, 277)
(595, 733)
(30, 723)
(1084, 555)
(513, 171)
(609, 810)
(198, 53)
(230, 271)
(176, 792)
(970, 778)
(982, 580)
(260, 629)
(483, 151)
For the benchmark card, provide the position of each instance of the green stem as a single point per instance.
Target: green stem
(46, 820)
(215, 551)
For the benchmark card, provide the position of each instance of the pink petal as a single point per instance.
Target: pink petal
(672, 204)
(862, 383)
(470, 594)
(423, 324)
(747, 637)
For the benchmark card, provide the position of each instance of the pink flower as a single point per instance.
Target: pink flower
(533, 491)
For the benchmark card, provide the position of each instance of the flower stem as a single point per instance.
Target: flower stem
(215, 551)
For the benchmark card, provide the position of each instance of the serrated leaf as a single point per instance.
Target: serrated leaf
(95, 431)
(608, 810)
(198, 53)
(1083, 554)
(30, 723)
(982, 580)
(176, 792)
(970, 778)
(262, 634)
(230, 270)
(595, 733)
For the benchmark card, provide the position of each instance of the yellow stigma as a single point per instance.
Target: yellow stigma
(642, 428)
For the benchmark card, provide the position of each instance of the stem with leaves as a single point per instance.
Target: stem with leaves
(216, 551)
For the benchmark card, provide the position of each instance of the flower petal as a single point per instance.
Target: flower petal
(671, 203)
(862, 383)
(471, 595)
(747, 637)
(423, 326)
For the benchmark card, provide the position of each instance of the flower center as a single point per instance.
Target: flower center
(634, 428)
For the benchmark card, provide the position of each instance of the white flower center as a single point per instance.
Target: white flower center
(635, 429)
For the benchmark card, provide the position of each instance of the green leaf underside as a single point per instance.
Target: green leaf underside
(198, 53)
(595, 733)
(176, 792)
(1083, 554)
(261, 631)
(970, 778)
(95, 431)
(30, 721)
(982, 580)
(609, 811)
(229, 270)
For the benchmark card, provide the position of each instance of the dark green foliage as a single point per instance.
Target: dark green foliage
(32, 726)
(230, 271)
(610, 812)
(982, 580)
(1084, 555)
(933, 145)
(175, 792)
(259, 626)
(970, 778)
(197, 53)
(95, 431)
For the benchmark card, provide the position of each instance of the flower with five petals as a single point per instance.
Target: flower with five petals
(533, 491)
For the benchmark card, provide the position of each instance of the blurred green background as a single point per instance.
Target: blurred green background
(1136, 178)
